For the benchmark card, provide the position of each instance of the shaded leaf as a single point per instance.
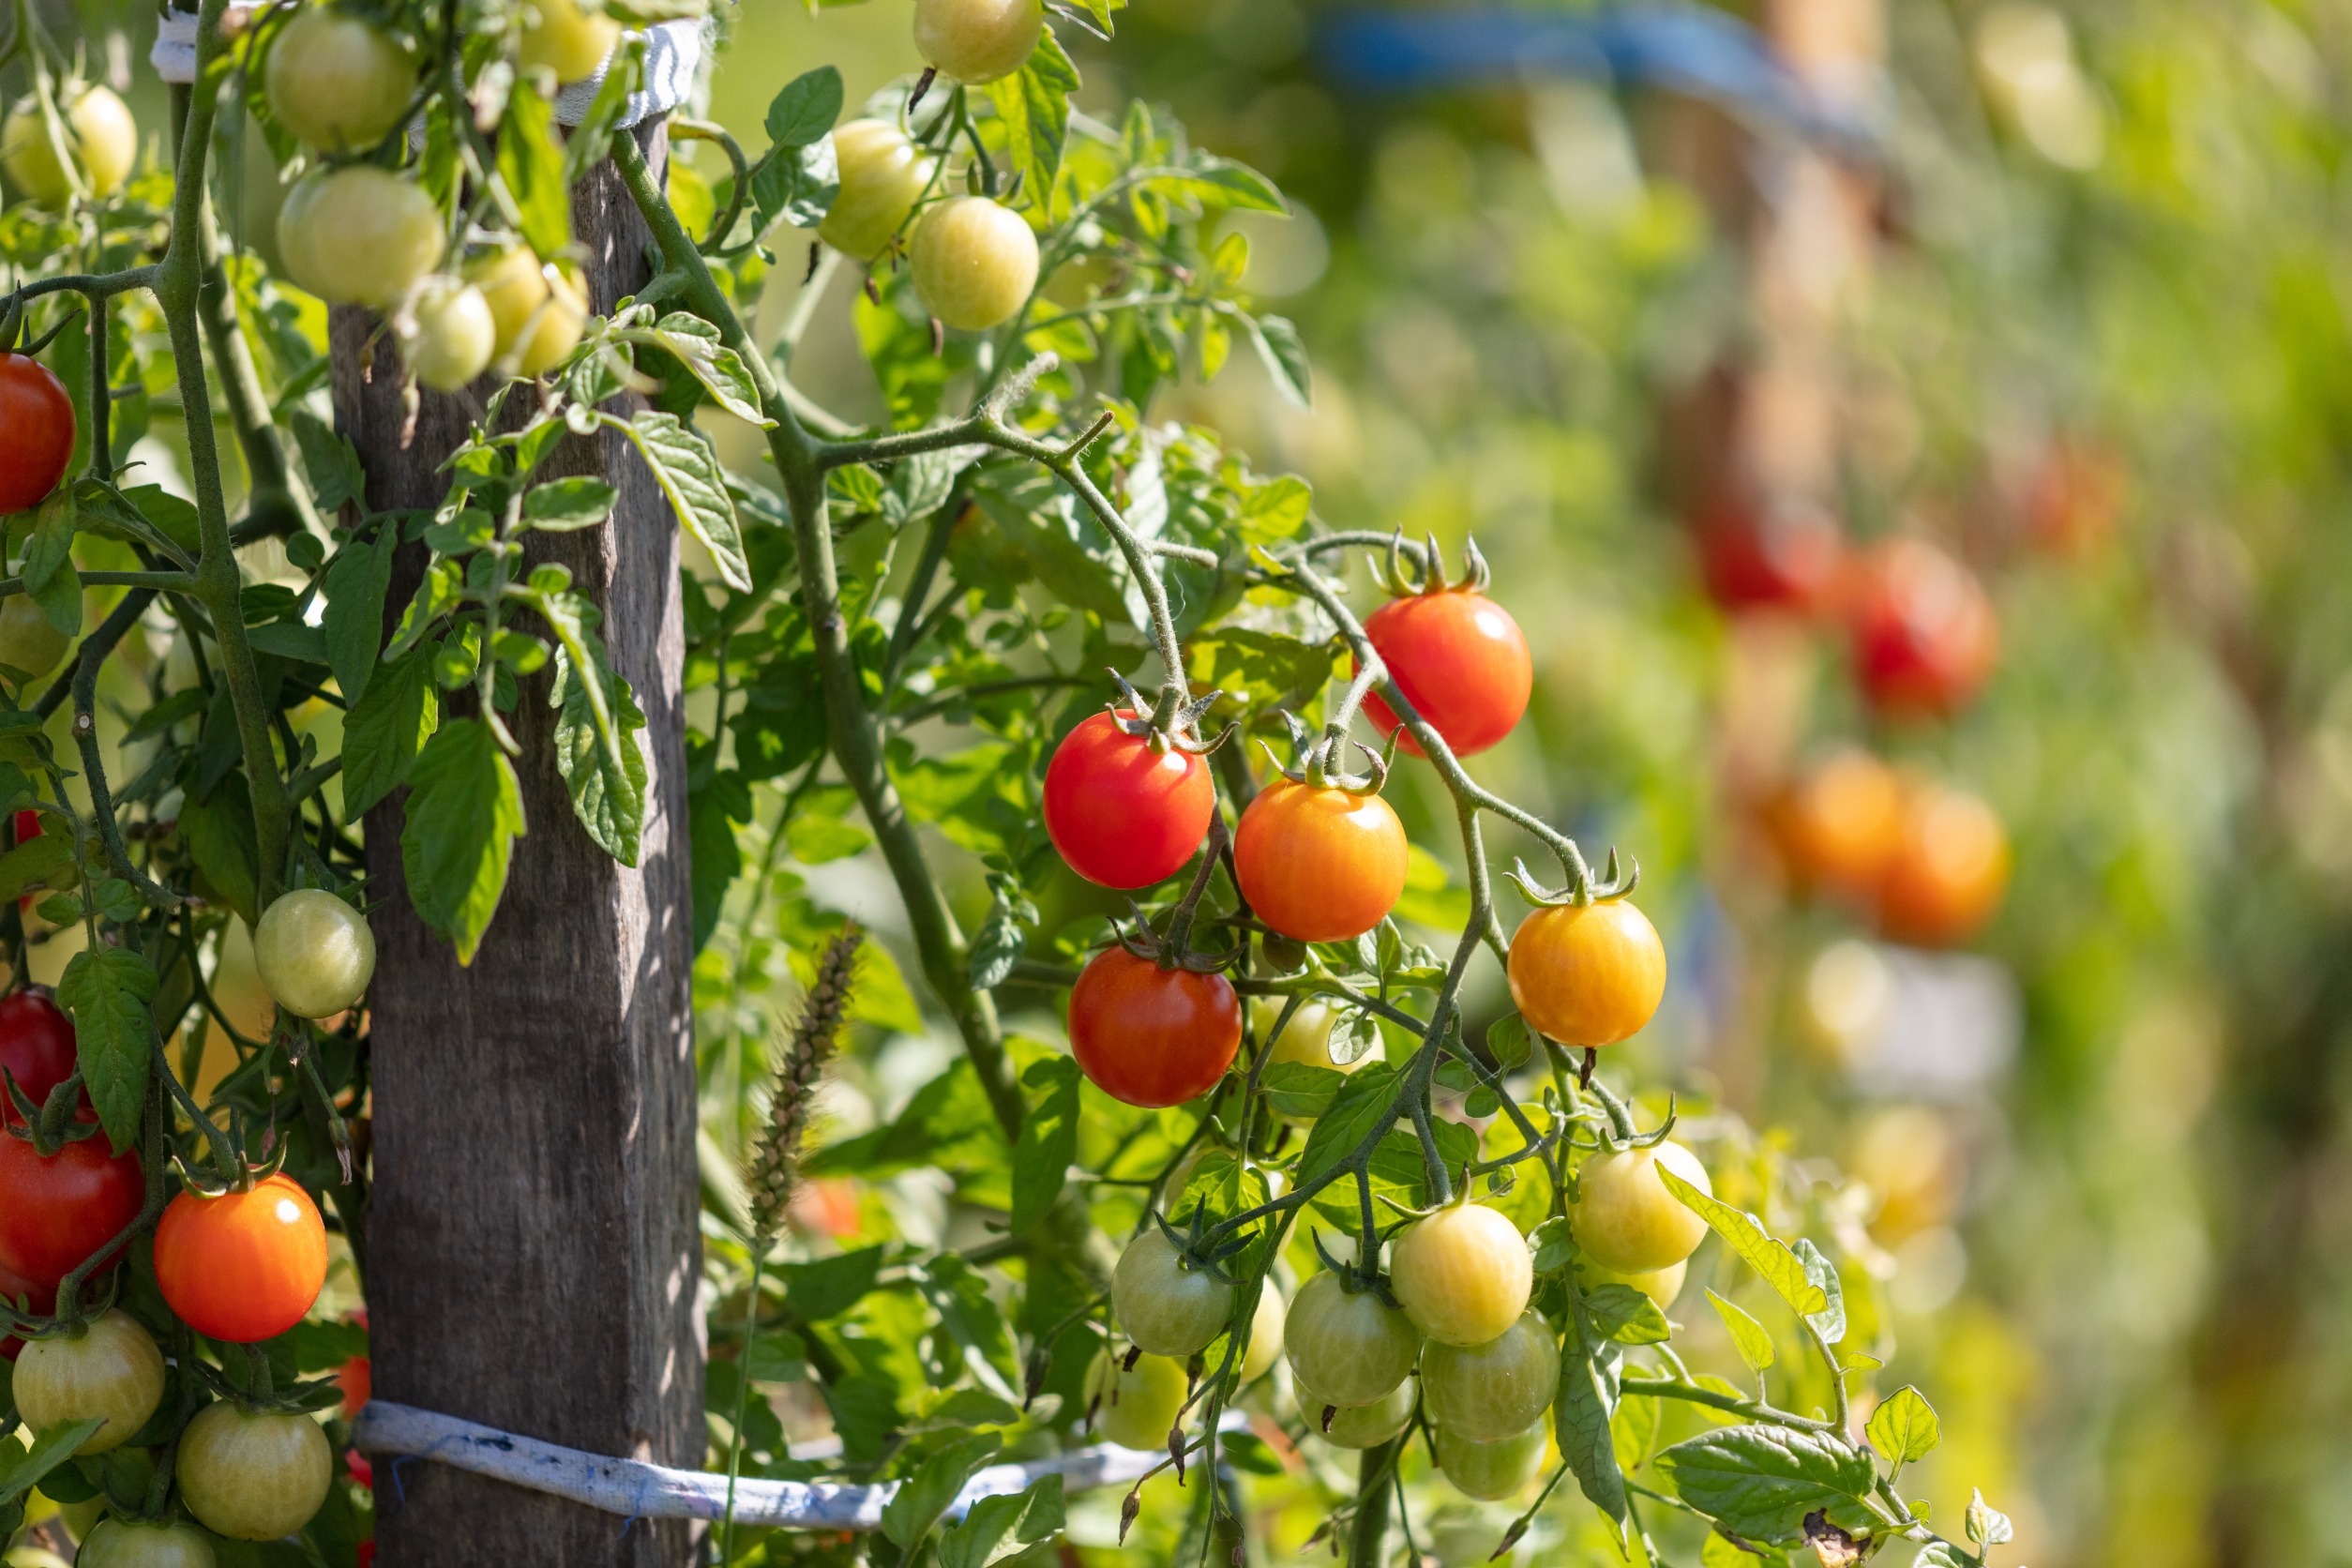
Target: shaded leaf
(107, 991)
(464, 812)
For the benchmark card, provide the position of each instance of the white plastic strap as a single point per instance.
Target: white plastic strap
(632, 1489)
(173, 55)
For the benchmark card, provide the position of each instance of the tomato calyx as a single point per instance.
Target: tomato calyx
(1359, 1278)
(1190, 1255)
(51, 1125)
(12, 324)
(1582, 890)
(1621, 1135)
(1402, 576)
(1173, 723)
(237, 1173)
(1315, 762)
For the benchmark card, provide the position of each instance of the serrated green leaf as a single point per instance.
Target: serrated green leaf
(354, 586)
(1554, 1246)
(107, 991)
(336, 478)
(1622, 1313)
(1830, 1321)
(1765, 1252)
(1904, 1428)
(997, 1527)
(1285, 356)
(1760, 1482)
(694, 343)
(1581, 1411)
(688, 472)
(1748, 1336)
(1300, 1089)
(34, 863)
(1364, 1104)
(918, 1503)
(1034, 106)
(531, 165)
(1049, 1140)
(598, 750)
(464, 812)
(385, 730)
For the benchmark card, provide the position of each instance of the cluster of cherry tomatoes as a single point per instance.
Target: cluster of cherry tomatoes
(1927, 861)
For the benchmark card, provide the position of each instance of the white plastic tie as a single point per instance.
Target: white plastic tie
(173, 55)
(632, 1489)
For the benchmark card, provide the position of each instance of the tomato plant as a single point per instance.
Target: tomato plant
(252, 1475)
(977, 40)
(242, 1266)
(1463, 1275)
(358, 235)
(1124, 812)
(314, 952)
(448, 334)
(39, 418)
(65, 1207)
(882, 174)
(111, 1371)
(1167, 1304)
(538, 311)
(1153, 1036)
(1319, 865)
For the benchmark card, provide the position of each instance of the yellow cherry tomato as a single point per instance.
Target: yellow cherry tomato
(100, 137)
(1624, 1216)
(336, 82)
(1590, 976)
(1463, 1275)
(974, 262)
(111, 1370)
(882, 175)
(539, 313)
(977, 40)
(571, 43)
(1135, 1407)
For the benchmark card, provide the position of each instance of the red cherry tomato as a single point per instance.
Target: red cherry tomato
(1121, 813)
(1924, 634)
(356, 1378)
(1460, 660)
(1319, 865)
(244, 1266)
(40, 1298)
(55, 1212)
(36, 1047)
(1784, 557)
(38, 416)
(1153, 1036)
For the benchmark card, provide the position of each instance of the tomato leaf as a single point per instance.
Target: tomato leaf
(1285, 356)
(33, 863)
(1300, 1089)
(561, 506)
(596, 747)
(385, 730)
(1905, 1426)
(1760, 1481)
(531, 165)
(1580, 1421)
(1987, 1526)
(997, 1527)
(49, 575)
(693, 343)
(464, 813)
(1049, 1140)
(1363, 1105)
(51, 1449)
(1748, 1336)
(1622, 1313)
(1034, 106)
(107, 991)
(919, 1501)
(802, 113)
(689, 476)
(354, 586)
(1765, 1252)
(332, 462)
(1830, 1321)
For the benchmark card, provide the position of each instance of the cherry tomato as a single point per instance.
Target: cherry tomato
(1152, 1036)
(1265, 1335)
(2076, 499)
(315, 953)
(244, 1266)
(539, 313)
(356, 1378)
(1589, 975)
(977, 40)
(1490, 1392)
(1136, 1406)
(1463, 1275)
(1319, 865)
(37, 1045)
(56, 1213)
(1756, 556)
(100, 135)
(1924, 634)
(1167, 1306)
(1351, 1347)
(1841, 823)
(1949, 872)
(1360, 1425)
(571, 43)
(252, 1476)
(337, 82)
(358, 235)
(29, 641)
(1122, 814)
(1492, 1471)
(882, 175)
(1624, 1218)
(1305, 1040)
(24, 1294)
(974, 262)
(1460, 660)
(447, 334)
(111, 1370)
(133, 1544)
(38, 414)
(1660, 1284)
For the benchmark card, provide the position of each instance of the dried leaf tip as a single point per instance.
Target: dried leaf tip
(775, 1170)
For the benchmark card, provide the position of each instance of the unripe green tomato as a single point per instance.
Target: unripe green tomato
(1351, 1348)
(974, 262)
(358, 235)
(1461, 1537)
(1491, 1472)
(1660, 1284)
(1624, 1218)
(130, 1544)
(1306, 1041)
(337, 82)
(1488, 1393)
(449, 334)
(111, 1371)
(977, 40)
(1463, 1275)
(1167, 1307)
(27, 640)
(253, 1477)
(882, 175)
(99, 133)
(539, 311)
(1360, 1425)
(315, 953)
(1135, 1407)
(1265, 1335)
(82, 1518)
(571, 43)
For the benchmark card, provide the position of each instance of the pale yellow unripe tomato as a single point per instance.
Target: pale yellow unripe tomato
(111, 1371)
(975, 263)
(1463, 1275)
(100, 135)
(1265, 1335)
(358, 235)
(571, 43)
(882, 175)
(1305, 1040)
(252, 1477)
(539, 310)
(977, 40)
(27, 640)
(447, 333)
(337, 82)
(1136, 1406)
(1624, 1218)
(315, 953)
(1660, 1284)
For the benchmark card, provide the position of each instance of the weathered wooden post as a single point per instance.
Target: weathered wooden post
(533, 1253)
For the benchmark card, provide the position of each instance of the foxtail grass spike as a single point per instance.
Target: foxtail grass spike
(776, 1163)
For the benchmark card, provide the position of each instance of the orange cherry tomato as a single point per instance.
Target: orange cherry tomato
(1840, 825)
(1121, 813)
(1460, 660)
(1590, 976)
(1949, 872)
(1319, 865)
(1153, 1036)
(1924, 635)
(244, 1266)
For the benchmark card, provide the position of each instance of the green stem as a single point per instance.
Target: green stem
(1369, 1531)
(760, 1245)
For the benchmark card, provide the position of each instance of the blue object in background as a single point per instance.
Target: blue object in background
(1686, 48)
